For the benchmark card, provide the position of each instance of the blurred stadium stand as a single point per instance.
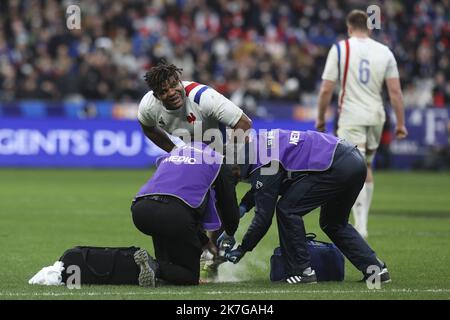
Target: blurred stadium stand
(267, 56)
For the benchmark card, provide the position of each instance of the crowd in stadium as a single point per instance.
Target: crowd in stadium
(249, 50)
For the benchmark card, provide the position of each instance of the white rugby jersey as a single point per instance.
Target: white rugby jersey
(202, 104)
(361, 77)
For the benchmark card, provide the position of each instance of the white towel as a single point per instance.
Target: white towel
(49, 276)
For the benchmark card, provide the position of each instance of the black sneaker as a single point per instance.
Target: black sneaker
(308, 276)
(384, 275)
(148, 266)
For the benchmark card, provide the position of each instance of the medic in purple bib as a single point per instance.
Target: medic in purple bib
(308, 170)
(176, 206)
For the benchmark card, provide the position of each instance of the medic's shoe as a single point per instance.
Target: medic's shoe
(308, 276)
(148, 267)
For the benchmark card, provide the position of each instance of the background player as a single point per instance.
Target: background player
(361, 65)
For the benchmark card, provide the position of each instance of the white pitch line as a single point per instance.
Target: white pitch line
(157, 292)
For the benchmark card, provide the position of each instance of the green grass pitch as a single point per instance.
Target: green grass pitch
(44, 212)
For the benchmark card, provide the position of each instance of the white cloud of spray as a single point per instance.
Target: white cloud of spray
(243, 271)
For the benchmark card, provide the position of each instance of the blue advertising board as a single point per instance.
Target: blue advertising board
(74, 143)
(427, 131)
(99, 143)
(103, 143)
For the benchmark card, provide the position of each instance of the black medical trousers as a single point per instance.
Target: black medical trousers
(174, 228)
(334, 191)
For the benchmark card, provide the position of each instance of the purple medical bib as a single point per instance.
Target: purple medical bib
(187, 173)
(295, 150)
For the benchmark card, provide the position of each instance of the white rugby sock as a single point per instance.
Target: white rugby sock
(359, 209)
(369, 192)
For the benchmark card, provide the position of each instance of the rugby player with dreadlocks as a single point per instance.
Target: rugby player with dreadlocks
(173, 104)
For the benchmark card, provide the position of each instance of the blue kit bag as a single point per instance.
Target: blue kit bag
(326, 260)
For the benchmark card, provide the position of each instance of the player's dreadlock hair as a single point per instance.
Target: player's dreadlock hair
(161, 73)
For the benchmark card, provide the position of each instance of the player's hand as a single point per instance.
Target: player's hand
(235, 255)
(211, 247)
(225, 242)
(401, 132)
(320, 125)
